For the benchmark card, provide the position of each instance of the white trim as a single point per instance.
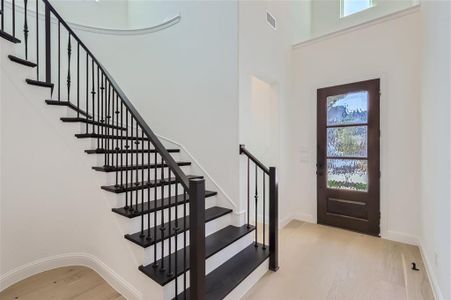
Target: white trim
(392, 16)
(432, 279)
(139, 31)
(400, 237)
(71, 259)
(308, 218)
(220, 189)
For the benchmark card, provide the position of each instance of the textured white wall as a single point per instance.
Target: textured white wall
(435, 131)
(388, 50)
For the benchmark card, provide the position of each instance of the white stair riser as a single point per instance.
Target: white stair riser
(212, 262)
(145, 255)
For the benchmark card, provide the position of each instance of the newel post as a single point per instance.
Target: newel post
(197, 238)
(273, 221)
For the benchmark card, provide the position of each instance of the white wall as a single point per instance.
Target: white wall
(266, 54)
(183, 81)
(325, 14)
(435, 130)
(52, 210)
(388, 50)
(104, 14)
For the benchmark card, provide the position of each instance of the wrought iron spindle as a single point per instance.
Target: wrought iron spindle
(126, 158)
(102, 113)
(148, 189)
(248, 194)
(37, 40)
(122, 145)
(142, 181)
(170, 273)
(2, 26)
(98, 110)
(256, 205)
(184, 242)
(118, 128)
(131, 208)
(137, 163)
(59, 60)
(264, 216)
(176, 232)
(162, 228)
(93, 97)
(155, 193)
(13, 17)
(78, 80)
(69, 52)
(25, 27)
(87, 91)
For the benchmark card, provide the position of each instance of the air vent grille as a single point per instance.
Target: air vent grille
(271, 20)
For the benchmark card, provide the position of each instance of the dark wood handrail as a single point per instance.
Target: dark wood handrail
(253, 158)
(134, 112)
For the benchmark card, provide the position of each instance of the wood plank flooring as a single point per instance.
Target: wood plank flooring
(325, 263)
(68, 283)
(316, 263)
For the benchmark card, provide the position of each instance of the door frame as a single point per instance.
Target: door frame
(374, 215)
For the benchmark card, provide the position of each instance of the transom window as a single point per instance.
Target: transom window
(349, 7)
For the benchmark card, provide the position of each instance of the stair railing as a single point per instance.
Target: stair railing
(130, 148)
(261, 174)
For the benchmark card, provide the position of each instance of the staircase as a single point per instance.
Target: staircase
(189, 242)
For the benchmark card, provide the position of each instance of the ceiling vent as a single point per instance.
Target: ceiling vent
(271, 20)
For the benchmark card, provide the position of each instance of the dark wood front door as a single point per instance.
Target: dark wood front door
(348, 170)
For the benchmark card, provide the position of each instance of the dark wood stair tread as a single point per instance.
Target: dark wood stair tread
(137, 167)
(103, 151)
(152, 206)
(68, 104)
(92, 122)
(143, 185)
(211, 214)
(9, 37)
(110, 137)
(39, 83)
(222, 280)
(22, 61)
(214, 243)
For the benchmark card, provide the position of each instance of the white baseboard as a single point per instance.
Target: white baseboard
(401, 237)
(298, 217)
(432, 279)
(71, 259)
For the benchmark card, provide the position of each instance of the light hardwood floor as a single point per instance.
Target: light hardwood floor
(74, 283)
(316, 263)
(324, 263)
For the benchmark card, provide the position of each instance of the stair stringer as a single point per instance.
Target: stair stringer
(51, 201)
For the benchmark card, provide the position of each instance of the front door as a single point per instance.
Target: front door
(348, 170)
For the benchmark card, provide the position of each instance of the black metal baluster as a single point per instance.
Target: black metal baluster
(162, 228)
(69, 52)
(48, 45)
(122, 145)
(14, 17)
(148, 190)
(98, 111)
(142, 180)
(87, 91)
(155, 192)
(118, 128)
(101, 112)
(25, 27)
(107, 120)
(264, 216)
(78, 80)
(131, 208)
(3, 14)
(137, 163)
(248, 194)
(170, 273)
(126, 157)
(59, 60)
(93, 95)
(176, 232)
(184, 242)
(256, 205)
(37, 40)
